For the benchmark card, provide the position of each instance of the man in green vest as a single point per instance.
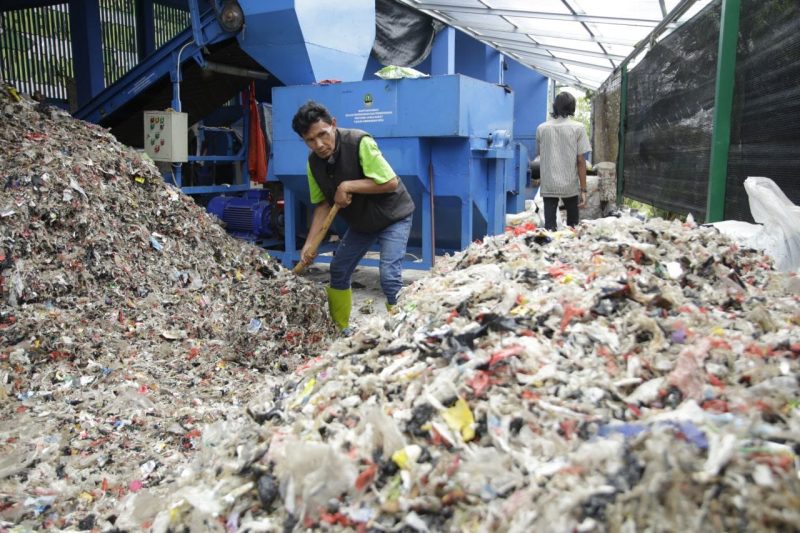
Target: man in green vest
(346, 168)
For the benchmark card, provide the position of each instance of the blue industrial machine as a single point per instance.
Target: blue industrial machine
(207, 65)
(447, 137)
(248, 217)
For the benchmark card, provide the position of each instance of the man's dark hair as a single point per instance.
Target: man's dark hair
(564, 106)
(308, 114)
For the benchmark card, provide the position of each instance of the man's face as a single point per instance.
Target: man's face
(321, 138)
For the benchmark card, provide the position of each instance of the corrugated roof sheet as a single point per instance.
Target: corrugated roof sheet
(576, 42)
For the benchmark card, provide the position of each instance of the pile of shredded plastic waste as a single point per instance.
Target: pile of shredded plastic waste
(128, 317)
(630, 375)
(626, 376)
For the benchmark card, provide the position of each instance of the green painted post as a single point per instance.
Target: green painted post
(723, 104)
(623, 106)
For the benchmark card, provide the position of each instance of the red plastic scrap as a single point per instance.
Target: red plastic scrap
(716, 405)
(57, 356)
(194, 352)
(714, 380)
(293, 337)
(756, 350)
(570, 312)
(720, 344)
(187, 439)
(505, 353)
(777, 463)
(558, 270)
(480, 382)
(452, 315)
(365, 478)
(99, 442)
(522, 229)
(530, 395)
(453, 467)
(611, 362)
(567, 428)
(335, 519)
(437, 439)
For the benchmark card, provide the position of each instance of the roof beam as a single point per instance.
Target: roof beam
(669, 21)
(617, 41)
(13, 5)
(569, 17)
(585, 26)
(516, 54)
(512, 44)
(592, 66)
(564, 77)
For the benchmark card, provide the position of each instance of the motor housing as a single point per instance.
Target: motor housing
(248, 216)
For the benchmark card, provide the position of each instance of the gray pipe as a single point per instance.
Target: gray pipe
(236, 71)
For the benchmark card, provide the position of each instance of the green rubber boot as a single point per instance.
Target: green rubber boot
(339, 303)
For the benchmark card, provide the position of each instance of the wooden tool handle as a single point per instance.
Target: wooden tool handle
(326, 224)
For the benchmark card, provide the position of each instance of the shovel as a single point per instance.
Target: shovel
(326, 224)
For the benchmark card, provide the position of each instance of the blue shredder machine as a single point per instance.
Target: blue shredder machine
(449, 138)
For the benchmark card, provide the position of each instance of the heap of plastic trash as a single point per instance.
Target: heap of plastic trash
(157, 375)
(628, 375)
(128, 318)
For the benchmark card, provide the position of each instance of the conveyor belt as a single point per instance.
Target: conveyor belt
(201, 92)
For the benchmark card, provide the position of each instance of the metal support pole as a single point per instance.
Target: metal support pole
(87, 48)
(290, 205)
(443, 53)
(623, 108)
(723, 103)
(145, 28)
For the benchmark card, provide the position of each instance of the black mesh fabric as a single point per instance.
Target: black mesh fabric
(765, 127)
(403, 36)
(669, 118)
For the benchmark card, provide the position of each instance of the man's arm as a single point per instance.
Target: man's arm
(321, 211)
(368, 186)
(582, 178)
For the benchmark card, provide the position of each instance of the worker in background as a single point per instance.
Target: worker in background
(562, 143)
(345, 167)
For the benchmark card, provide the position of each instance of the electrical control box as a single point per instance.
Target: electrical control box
(166, 136)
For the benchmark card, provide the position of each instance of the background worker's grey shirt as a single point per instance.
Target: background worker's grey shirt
(559, 142)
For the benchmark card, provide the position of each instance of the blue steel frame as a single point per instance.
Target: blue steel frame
(447, 137)
(163, 62)
(168, 59)
(145, 29)
(87, 48)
